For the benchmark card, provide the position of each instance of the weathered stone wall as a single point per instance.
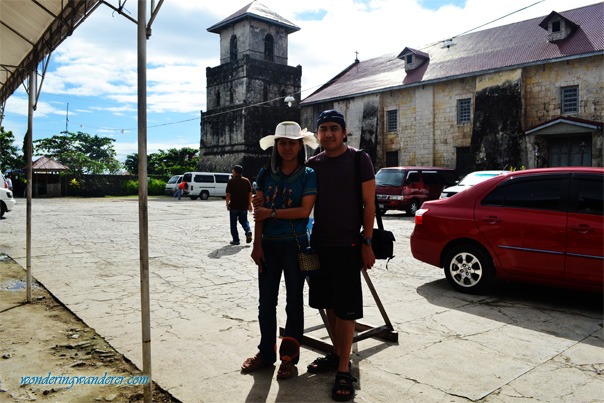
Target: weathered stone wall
(428, 130)
(232, 130)
(448, 133)
(250, 35)
(542, 89)
(497, 123)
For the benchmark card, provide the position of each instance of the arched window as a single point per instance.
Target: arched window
(233, 49)
(231, 96)
(217, 98)
(269, 48)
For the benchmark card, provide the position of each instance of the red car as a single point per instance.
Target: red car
(538, 225)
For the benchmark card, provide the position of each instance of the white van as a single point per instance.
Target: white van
(205, 184)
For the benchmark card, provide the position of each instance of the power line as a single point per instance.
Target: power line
(483, 25)
(197, 118)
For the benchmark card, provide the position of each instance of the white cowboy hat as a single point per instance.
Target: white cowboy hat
(289, 130)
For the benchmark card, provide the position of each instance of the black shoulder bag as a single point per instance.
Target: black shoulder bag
(382, 241)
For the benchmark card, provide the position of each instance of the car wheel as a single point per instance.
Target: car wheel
(2, 209)
(469, 268)
(204, 195)
(413, 207)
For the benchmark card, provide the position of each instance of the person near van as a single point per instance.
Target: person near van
(9, 183)
(239, 202)
(179, 189)
(343, 252)
(285, 196)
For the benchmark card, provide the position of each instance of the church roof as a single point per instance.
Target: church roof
(257, 11)
(506, 47)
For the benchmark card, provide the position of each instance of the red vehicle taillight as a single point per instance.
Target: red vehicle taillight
(419, 216)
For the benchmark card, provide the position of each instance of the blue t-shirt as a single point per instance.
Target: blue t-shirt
(285, 191)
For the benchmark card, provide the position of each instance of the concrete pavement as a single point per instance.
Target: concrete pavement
(518, 343)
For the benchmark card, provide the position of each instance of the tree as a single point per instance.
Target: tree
(167, 163)
(9, 157)
(81, 152)
(131, 163)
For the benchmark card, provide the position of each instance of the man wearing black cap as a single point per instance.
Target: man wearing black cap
(239, 202)
(339, 214)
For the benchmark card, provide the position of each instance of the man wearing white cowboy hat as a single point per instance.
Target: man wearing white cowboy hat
(285, 196)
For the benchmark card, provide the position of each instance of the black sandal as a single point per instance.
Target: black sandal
(344, 383)
(323, 364)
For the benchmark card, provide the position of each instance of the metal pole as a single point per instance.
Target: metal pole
(28, 141)
(143, 220)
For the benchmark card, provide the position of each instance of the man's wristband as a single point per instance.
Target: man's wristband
(274, 213)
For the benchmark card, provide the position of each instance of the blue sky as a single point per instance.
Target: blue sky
(93, 72)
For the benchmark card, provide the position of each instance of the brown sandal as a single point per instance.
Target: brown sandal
(287, 369)
(254, 363)
(289, 353)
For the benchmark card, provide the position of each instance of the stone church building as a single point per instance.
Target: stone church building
(528, 94)
(246, 92)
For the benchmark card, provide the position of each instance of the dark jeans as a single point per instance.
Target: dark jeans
(280, 257)
(241, 216)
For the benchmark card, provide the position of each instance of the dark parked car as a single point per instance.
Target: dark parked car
(406, 188)
(539, 225)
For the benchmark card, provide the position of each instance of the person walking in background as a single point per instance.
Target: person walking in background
(239, 202)
(179, 189)
(339, 214)
(285, 195)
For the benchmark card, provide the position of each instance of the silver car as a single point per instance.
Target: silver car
(469, 180)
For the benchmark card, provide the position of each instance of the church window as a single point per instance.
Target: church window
(233, 49)
(269, 48)
(392, 120)
(464, 110)
(570, 99)
(217, 98)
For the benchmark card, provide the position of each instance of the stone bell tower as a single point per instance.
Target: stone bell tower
(246, 92)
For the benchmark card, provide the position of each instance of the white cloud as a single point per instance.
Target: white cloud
(100, 58)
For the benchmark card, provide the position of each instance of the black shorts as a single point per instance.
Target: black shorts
(337, 286)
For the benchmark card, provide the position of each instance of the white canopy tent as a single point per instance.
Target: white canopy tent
(30, 30)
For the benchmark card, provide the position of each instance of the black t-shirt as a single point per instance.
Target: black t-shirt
(337, 221)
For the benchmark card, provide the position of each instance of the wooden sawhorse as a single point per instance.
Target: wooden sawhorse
(364, 331)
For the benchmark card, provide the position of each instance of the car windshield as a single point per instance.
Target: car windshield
(389, 177)
(173, 179)
(476, 177)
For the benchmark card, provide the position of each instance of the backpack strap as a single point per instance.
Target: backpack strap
(357, 170)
